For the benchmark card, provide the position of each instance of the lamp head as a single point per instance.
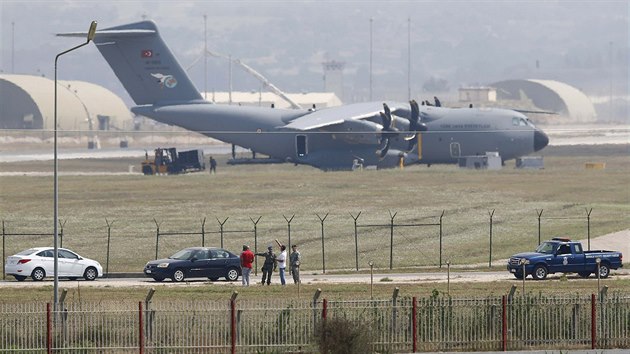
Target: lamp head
(91, 31)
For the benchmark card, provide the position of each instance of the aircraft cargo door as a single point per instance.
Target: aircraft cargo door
(301, 149)
(455, 150)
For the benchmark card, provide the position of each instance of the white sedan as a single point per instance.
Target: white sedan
(38, 263)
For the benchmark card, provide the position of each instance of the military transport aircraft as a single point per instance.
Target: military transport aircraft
(381, 134)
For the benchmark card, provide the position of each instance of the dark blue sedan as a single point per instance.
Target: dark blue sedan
(196, 262)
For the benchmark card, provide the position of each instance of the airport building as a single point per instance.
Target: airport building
(27, 102)
(571, 104)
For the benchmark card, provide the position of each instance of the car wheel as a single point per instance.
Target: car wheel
(518, 276)
(604, 271)
(38, 274)
(232, 274)
(584, 274)
(158, 278)
(540, 272)
(178, 275)
(213, 278)
(90, 273)
(19, 277)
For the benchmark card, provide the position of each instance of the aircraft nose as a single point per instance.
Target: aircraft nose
(540, 140)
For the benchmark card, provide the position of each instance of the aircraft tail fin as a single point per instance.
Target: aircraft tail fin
(144, 64)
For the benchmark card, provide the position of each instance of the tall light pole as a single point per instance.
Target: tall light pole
(371, 50)
(205, 57)
(90, 36)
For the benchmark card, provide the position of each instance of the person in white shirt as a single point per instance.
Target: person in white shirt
(282, 262)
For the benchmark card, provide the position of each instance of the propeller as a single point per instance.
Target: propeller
(387, 132)
(415, 125)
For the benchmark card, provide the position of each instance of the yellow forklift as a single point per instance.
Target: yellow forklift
(168, 161)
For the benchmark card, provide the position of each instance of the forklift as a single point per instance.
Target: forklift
(167, 161)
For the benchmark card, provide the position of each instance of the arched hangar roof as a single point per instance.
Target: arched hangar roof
(27, 102)
(550, 95)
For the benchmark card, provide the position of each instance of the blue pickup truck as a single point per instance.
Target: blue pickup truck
(561, 255)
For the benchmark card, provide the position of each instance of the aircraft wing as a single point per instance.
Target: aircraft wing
(334, 116)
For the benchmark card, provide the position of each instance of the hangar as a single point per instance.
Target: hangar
(27, 102)
(549, 95)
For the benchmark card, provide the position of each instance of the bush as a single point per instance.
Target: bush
(343, 336)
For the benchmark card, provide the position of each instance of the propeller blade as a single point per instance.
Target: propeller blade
(382, 152)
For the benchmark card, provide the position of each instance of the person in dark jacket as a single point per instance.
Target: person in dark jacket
(269, 266)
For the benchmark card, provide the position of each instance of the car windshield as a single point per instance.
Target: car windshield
(183, 254)
(545, 247)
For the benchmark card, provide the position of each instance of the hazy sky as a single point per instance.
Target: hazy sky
(464, 42)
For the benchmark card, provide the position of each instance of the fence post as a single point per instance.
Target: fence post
(588, 226)
(593, 322)
(324, 309)
(222, 223)
(289, 226)
(233, 321)
(109, 235)
(394, 314)
(318, 292)
(48, 329)
(504, 327)
(4, 275)
(149, 313)
(391, 239)
(255, 243)
(203, 232)
(64, 314)
(323, 254)
(157, 237)
(539, 216)
(356, 240)
(140, 329)
(414, 324)
(61, 232)
(490, 257)
(441, 238)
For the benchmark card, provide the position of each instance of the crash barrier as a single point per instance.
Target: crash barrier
(405, 324)
(427, 228)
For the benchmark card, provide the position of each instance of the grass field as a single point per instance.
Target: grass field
(564, 190)
(382, 289)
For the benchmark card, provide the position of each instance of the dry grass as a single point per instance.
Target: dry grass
(417, 194)
(201, 291)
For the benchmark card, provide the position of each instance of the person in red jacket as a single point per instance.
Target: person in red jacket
(247, 258)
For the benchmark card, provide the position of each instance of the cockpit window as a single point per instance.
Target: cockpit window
(521, 122)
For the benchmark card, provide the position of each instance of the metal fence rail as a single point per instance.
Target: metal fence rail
(289, 325)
